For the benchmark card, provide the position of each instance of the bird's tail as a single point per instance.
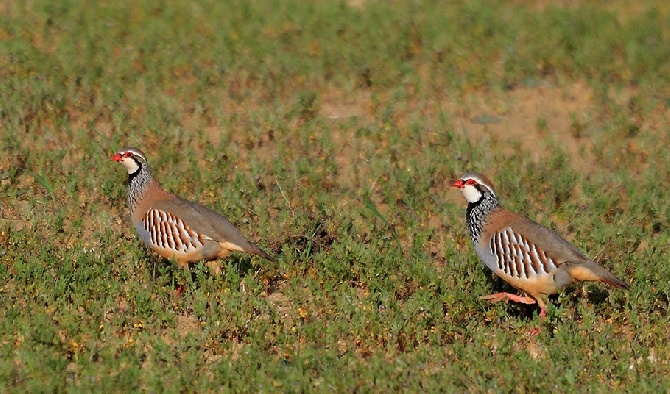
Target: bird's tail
(260, 252)
(590, 271)
(244, 245)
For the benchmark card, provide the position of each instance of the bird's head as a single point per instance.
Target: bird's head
(474, 186)
(131, 158)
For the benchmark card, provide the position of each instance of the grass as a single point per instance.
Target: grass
(329, 132)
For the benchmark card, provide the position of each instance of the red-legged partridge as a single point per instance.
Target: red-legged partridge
(174, 227)
(525, 254)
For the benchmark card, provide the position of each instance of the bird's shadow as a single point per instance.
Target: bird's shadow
(167, 273)
(596, 295)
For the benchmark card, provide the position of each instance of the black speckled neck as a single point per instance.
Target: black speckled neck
(475, 215)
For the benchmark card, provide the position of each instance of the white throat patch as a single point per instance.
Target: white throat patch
(471, 193)
(130, 165)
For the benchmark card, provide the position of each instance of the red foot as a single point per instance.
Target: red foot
(179, 290)
(543, 315)
(214, 267)
(493, 298)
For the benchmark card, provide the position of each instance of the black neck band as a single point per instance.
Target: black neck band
(136, 173)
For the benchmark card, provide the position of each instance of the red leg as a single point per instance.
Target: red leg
(180, 289)
(214, 268)
(543, 315)
(517, 298)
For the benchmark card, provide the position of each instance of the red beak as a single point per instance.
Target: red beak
(459, 184)
(116, 157)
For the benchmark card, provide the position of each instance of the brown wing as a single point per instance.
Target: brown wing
(527, 249)
(552, 244)
(210, 224)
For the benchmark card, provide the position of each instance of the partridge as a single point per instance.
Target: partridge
(525, 254)
(173, 227)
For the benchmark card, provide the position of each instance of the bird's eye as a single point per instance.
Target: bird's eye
(471, 182)
(128, 154)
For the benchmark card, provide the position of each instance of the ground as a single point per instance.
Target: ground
(329, 134)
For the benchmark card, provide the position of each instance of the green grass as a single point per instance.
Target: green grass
(330, 134)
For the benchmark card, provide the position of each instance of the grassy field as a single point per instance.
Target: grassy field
(329, 132)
